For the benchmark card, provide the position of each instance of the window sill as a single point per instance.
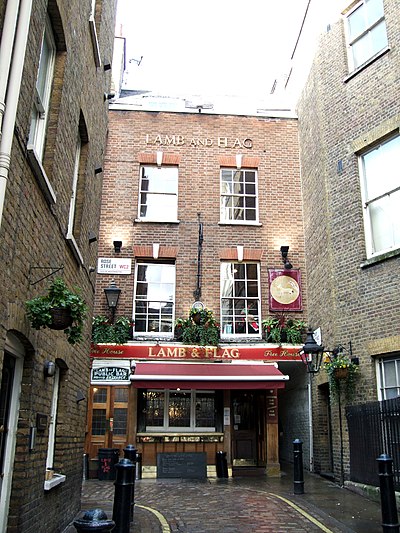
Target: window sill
(366, 64)
(95, 41)
(379, 258)
(74, 248)
(238, 223)
(40, 175)
(148, 221)
(54, 481)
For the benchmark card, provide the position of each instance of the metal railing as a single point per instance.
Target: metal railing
(374, 429)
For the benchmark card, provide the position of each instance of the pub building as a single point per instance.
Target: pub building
(200, 212)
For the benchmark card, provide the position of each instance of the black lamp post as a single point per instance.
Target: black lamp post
(312, 353)
(112, 294)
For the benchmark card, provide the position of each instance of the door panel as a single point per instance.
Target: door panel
(244, 441)
(108, 418)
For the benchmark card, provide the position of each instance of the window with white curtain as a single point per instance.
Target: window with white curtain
(158, 196)
(380, 180)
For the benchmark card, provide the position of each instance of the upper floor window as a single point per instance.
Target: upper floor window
(366, 31)
(44, 81)
(158, 197)
(381, 196)
(239, 195)
(389, 377)
(240, 299)
(154, 298)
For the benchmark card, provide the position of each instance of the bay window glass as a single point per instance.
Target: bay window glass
(154, 298)
(239, 195)
(240, 299)
(381, 195)
(183, 410)
(366, 31)
(158, 196)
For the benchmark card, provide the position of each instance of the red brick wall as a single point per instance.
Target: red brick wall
(274, 151)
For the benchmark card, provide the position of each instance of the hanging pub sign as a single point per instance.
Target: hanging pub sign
(284, 290)
(110, 372)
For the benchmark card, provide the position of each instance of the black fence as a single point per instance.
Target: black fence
(374, 428)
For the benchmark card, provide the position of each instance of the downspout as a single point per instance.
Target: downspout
(13, 91)
(6, 48)
(310, 425)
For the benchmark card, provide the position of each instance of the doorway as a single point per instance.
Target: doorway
(108, 418)
(248, 429)
(10, 390)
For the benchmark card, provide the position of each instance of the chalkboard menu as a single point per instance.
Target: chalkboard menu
(189, 465)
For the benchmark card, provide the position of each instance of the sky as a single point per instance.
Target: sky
(211, 47)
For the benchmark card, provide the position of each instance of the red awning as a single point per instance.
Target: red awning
(208, 376)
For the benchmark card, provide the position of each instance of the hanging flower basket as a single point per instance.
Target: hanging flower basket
(59, 309)
(341, 373)
(61, 318)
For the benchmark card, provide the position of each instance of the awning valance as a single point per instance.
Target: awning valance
(207, 376)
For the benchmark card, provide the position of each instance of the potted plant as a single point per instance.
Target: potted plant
(199, 329)
(119, 332)
(59, 309)
(295, 330)
(342, 374)
(279, 329)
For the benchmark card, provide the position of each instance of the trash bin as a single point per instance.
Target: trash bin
(221, 464)
(138, 466)
(108, 458)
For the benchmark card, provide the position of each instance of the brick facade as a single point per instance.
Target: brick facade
(200, 144)
(274, 151)
(350, 297)
(33, 242)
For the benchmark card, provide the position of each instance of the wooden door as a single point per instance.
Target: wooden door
(244, 435)
(108, 418)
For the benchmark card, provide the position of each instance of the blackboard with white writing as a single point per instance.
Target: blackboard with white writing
(191, 465)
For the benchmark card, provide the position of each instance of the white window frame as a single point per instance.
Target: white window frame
(72, 205)
(367, 33)
(224, 211)
(380, 372)
(40, 110)
(371, 247)
(166, 428)
(160, 216)
(248, 317)
(148, 299)
(56, 478)
(93, 35)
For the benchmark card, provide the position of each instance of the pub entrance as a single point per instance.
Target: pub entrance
(248, 432)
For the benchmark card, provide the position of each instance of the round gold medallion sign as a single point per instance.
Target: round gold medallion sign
(285, 290)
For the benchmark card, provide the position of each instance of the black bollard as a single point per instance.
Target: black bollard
(390, 522)
(130, 453)
(94, 520)
(298, 479)
(221, 464)
(123, 496)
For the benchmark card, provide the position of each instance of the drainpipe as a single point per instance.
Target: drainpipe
(6, 46)
(310, 425)
(15, 68)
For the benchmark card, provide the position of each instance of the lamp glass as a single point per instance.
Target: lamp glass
(112, 294)
(312, 353)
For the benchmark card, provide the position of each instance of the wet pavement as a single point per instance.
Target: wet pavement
(239, 505)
